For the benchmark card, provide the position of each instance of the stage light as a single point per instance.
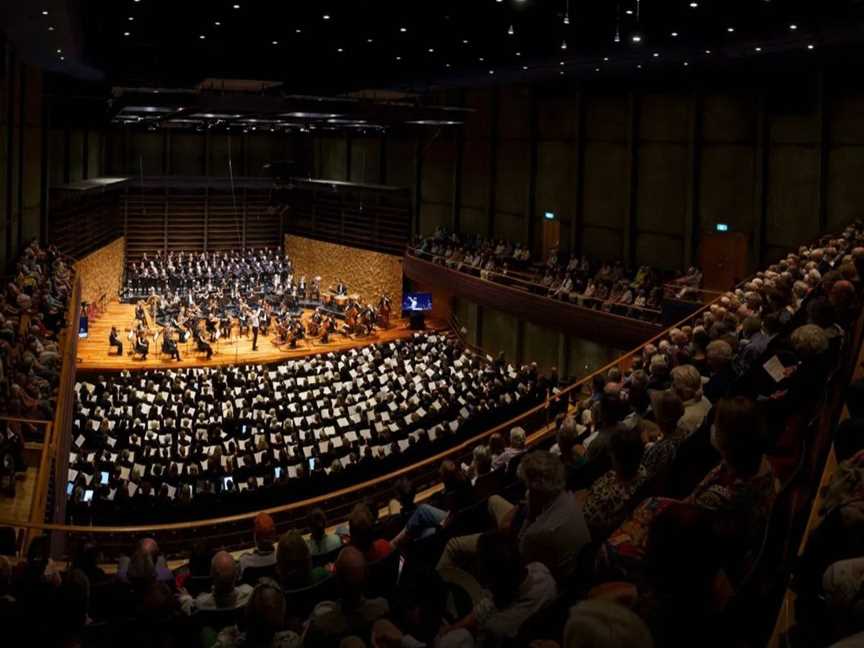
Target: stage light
(45, 12)
(491, 71)
(694, 5)
(686, 63)
(811, 46)
(511, 31)
(524, 67)
(674, 34)
(126, 34)
(793, 26)
(518, 53)
(131, 18)
(202, 37)
(636, 38)
(326, 16)
(217, 23)
(707, 51)
(564, 45)
(431, 50)
(758, 49)
(236, 6)
(730, 29)
(51, 28)
(403, 29)
(340, 50)
(560, 62)
(275, 42)
(656, 55)
(368, 40)
(606, 59)
(629, 12)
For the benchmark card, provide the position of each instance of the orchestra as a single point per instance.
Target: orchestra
(208, 297)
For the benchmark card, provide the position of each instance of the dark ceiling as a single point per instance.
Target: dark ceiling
(339, 45)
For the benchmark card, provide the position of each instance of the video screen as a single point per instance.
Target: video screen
(417, 302)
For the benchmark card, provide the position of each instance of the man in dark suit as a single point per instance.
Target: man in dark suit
(114, 340)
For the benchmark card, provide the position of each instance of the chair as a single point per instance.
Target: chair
(301, 602)
(251, 575)
(384, 574)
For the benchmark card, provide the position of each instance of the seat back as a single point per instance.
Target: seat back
(251, 575)
(384, 574)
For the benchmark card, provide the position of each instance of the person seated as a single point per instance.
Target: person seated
(263, 621)
(264, 554)
(352, 613)
(320, 542)
(169, 346)
(294, 563)
(114, 341)
(607, 501)
(515, 449)
(361, 525)
(202, 346)
(687, 385)
(142, 345)
(550, 526)
(513, 591)
(226, 594)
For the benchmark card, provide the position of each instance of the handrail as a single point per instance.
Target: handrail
(533, 284)
(621, 361)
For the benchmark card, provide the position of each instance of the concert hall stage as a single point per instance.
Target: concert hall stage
(93, 352)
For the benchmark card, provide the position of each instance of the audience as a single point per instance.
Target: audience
(32, 316)
(226, 593)
(609, 287)
(205, 441)
(320, 542)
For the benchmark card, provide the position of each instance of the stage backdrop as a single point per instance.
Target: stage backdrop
(101, 272)
(370, 274)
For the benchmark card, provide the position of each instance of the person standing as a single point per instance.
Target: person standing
(255, 323)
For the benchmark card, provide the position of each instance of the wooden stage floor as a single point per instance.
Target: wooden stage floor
(93, 352)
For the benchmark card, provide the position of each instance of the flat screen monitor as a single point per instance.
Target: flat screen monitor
(417, 302)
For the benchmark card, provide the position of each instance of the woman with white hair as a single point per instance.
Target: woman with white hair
(687, 385)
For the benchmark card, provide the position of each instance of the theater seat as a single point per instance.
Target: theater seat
(251, 575)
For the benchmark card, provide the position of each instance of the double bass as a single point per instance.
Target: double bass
(383, 311)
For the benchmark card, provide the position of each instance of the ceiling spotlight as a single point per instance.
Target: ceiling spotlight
(491, 71)
(236, 6)
(524, 67)
(793, 26)
(636, 38)
(275, 42)
(51, 28)
(403, 29)
(131, 18)
(431, 50)
(481, 59)
(62, 58)
(629, 12)
(730, 29)
(639, 66)
(368, 40)
(202, 37)
(656, 54)
(561, 62)
(596, 69)
(564, 45)
(707, 51)
(464, 41)
(566, 19)
(298, 31)
(340, 50)
(686, 63)
(44, 12)
(126, 34)
(674, 34)
(59, 51)
(447, 65)
(518, 53)
(398, 58)
(694, 5)
(561, 73)
(511, 31)
(758, 49)
(811, 46)
(217, 23)
(326, 16)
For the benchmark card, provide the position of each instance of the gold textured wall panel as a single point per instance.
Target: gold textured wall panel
(368, 273)
(102, 271)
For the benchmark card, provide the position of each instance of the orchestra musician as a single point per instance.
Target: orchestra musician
(140, 315)
(114, 341)
(201, 344)
(169, 344)
(142, 344)
(340, 288)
